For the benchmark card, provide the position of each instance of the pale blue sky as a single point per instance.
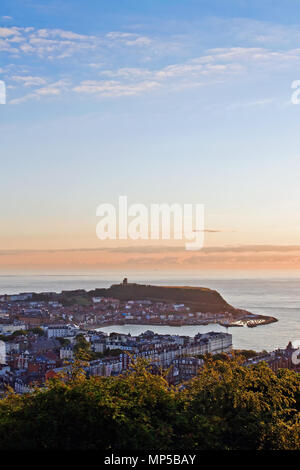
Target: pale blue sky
(162, 101)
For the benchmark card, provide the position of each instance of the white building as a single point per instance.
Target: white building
(66, 353)
(58, 331)
(11, 328)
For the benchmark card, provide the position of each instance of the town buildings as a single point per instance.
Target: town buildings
(35, 355)
(40, 338)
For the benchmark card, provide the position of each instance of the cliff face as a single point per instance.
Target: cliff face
(197, 298)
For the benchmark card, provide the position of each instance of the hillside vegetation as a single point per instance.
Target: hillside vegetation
(203, 299)
(227, 406)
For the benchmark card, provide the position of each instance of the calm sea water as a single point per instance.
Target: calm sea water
(270, 293)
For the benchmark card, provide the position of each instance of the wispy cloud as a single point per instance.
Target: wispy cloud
(158, 249)
(100, 55)
(129, 39)
(28, 80)
(115, 88)
(52, 89)
(247, 256)
(59, 43)
(132, 81)
(215, 64)
(6, 32)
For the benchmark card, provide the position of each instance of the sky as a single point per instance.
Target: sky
(164, 102)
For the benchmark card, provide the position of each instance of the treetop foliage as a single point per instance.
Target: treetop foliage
(227, 406)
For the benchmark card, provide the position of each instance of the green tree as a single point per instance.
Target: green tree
(82, 348)
(64, 341)
(37, 331)
(227, 406)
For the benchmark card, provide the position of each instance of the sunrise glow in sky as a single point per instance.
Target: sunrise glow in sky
(163, 101)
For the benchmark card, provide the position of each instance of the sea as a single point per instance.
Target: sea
(274, 293)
